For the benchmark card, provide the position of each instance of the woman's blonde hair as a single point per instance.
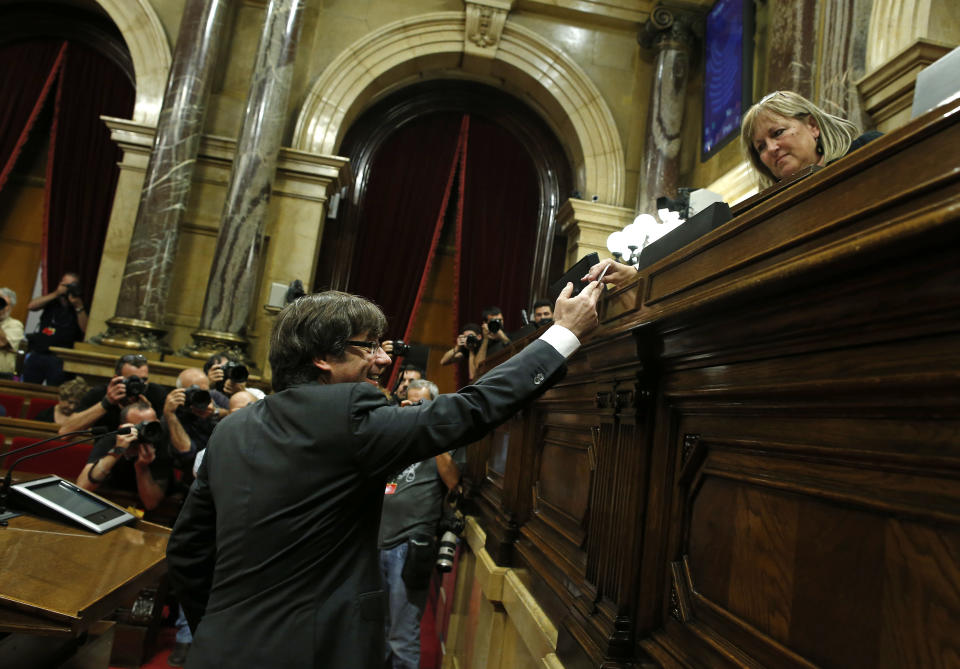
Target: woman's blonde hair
(836, 134)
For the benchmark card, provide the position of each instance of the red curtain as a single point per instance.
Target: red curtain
(501, 200)
(403, 199)
(493, 203)
(28, 72)
(82, 167)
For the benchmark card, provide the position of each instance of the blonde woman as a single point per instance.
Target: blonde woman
(785, 133)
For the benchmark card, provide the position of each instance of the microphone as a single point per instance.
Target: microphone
(524, 320)
(8, 479)
(97, 431)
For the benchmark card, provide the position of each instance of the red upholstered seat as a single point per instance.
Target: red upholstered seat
(12, 403)
(38, 404)
(66, 463)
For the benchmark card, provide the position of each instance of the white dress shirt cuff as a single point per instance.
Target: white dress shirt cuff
(561, 339)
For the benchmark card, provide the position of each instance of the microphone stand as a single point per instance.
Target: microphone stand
(8, 479)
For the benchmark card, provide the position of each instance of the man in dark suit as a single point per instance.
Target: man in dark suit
(274, 556)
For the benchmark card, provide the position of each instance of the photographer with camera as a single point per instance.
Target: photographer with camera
(63, 322)
(412, 509)
(226, 377)
(11, 332)
(190, 416)
(494, 333)
(102, 404)
(468, 343)
(138, 462)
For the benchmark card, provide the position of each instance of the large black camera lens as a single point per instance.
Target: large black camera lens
(149, 431)
(473, 342)
(3, 303)
(134, 385)
(196, 397)
(73, 289)
(494, 325)
(400, 348)
(235, 371)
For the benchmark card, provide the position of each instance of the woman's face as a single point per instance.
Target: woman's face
(786, 145)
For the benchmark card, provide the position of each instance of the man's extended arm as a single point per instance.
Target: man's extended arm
(81, 420)
(388, 438)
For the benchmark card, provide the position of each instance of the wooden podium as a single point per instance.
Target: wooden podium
(58, 582)
(755, 460)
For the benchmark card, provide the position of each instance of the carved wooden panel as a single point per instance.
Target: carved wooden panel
(755, 461)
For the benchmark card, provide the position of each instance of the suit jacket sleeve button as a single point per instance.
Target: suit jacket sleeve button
(538, 379)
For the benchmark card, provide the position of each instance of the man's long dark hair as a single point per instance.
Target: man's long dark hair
(315, 326)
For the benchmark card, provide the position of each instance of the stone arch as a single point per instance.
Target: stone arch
(149, 50)
(432, 46)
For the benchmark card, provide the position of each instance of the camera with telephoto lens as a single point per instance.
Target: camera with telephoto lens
(400, 348)
(134, 386)
(450, 528)
(3, 302)
(195, 398)
(73, 289)
(235, 371)
(149, 432)
(495, 325)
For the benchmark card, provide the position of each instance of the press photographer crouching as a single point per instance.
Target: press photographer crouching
(137, 462)
(101, 406)
(465, 349)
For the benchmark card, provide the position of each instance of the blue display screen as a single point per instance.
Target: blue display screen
(723, 84)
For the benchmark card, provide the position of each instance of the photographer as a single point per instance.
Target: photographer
(63, 322)
(408, 548)
(190, 416)
(11, 332)
(542, 313)
(138, 462)
(226, 377)
(494, 333)
(101, 406)
(468, 343)
(408, 373)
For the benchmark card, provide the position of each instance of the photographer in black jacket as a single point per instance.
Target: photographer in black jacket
(102, 405)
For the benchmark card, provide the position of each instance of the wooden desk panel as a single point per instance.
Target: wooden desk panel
(755, 461)
(57, 579)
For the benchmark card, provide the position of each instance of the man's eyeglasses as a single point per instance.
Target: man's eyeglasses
(371, 347)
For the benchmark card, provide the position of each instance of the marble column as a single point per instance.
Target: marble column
(163, 201)
(233, 282)
(668, 32)
(791, 46)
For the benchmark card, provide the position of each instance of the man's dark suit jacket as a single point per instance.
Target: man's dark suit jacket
(275, 551)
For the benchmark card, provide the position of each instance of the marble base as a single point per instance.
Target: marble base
(132, 333)
(207, 342)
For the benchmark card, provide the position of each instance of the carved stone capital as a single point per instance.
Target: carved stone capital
(484, 25)
(671, 27)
